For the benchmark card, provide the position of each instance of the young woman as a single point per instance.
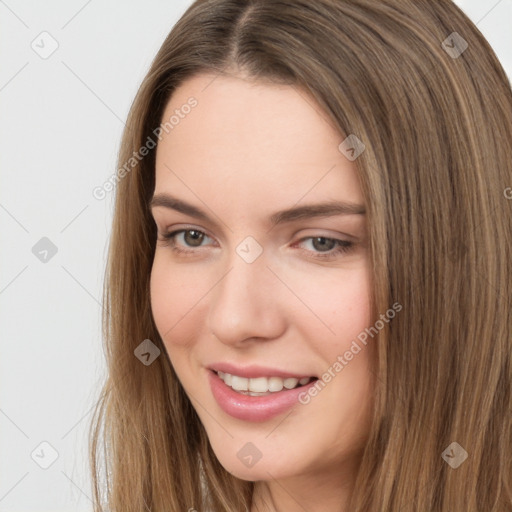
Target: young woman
(308, 291)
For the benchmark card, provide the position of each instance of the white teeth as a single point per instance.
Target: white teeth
(256, 385)
(290, 383)
(239, 383)
(275, 384)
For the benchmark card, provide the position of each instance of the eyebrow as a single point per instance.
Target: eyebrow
(327, 209)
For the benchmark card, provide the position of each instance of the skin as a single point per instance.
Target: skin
(244, 152)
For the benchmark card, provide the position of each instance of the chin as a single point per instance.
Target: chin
(246, 462)
(260, 471)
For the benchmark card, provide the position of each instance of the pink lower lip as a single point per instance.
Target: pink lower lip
(253, 408)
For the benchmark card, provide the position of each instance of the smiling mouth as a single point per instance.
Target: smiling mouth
(262, 386)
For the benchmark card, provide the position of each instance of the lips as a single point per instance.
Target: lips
(255, 371)
(244, 406)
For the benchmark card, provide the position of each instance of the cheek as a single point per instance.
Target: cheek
(346, 309)
(175, 304)
(339, 307)
(175, 298)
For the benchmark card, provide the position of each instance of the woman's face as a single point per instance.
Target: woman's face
(266, 279)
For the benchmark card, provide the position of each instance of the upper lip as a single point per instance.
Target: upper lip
(253, 371)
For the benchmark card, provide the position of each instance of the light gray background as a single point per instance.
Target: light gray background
(60, 129)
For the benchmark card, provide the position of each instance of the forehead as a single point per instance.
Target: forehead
(250, 141)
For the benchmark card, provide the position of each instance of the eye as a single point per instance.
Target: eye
(326, 248)
(180, 239)
(186, 242)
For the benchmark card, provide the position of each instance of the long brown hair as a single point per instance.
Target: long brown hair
(419, 85)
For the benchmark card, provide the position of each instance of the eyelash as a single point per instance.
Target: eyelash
(343, 246)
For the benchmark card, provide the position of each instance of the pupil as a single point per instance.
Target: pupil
(325, 244)
(196, 238)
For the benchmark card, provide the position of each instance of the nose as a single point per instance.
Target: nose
(246, 305)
